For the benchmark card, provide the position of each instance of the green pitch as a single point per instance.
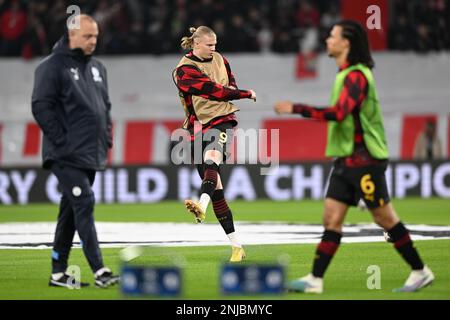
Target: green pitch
(25, 272)
(411, 210)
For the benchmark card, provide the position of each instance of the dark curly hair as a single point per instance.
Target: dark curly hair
(359, 43)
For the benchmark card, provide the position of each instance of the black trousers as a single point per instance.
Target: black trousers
(76, 212)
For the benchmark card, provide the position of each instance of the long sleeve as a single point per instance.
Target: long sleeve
(44, 102)
(231, 78)
(352, 96)
(192, 81)
(109, 125)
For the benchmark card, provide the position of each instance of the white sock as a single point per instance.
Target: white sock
(204, 201)
(57, 276)
(233, 240)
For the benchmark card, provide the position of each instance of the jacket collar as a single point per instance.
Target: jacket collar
(62, 47)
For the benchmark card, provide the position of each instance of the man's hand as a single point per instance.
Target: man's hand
(253, 95)
(284, 107)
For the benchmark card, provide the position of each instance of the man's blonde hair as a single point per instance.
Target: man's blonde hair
(188, 42)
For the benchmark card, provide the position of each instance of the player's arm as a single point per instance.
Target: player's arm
(353, 93)
(108, 112)
(44, 101)
(192, 81)
(231, 78)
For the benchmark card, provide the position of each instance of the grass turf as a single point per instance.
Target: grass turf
(412, 210)
(25, 272)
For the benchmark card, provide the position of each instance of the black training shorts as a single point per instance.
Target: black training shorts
(217, 138)
(349, 184)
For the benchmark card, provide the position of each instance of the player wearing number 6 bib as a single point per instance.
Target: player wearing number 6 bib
(206, 86)
(357, 141)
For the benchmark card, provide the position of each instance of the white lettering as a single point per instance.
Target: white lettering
(4, 185)
(144, 177)
(240, 184)
(23, 186)
(314, 182)
(187, 179)
(181, 152)
(274, 159)
(273, 191)
(406, 177)
(123, 193)
(439, 180)
(193, 310)
(374, 281)
(51, 188)
(247, 146)
(267, 309)
(109, 186)
(374, 21)
(426, 182)
(74, 273)
(73, 22)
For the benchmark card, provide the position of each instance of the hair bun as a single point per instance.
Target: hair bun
(192, 29)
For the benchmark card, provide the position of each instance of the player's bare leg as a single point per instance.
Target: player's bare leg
(333, 218)
(385, 216)
(420, 276)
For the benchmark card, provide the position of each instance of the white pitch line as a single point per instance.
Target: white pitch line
(114, 234)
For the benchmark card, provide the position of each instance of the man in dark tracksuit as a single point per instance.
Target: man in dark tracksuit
(70, 103)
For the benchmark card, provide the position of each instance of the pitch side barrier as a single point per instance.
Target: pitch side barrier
(288, 181)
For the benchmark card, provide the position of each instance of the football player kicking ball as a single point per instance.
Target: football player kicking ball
(357, 141)
(206, 86)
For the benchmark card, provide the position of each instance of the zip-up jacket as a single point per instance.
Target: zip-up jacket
(70, 102)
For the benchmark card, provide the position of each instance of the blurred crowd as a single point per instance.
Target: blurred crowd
(30, 28)
(420, 25)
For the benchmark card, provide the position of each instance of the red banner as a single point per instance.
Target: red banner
(32, 143)
(373, 15)
(300, 139)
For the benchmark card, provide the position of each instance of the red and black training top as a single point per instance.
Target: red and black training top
(350, 101)
(192, 82)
